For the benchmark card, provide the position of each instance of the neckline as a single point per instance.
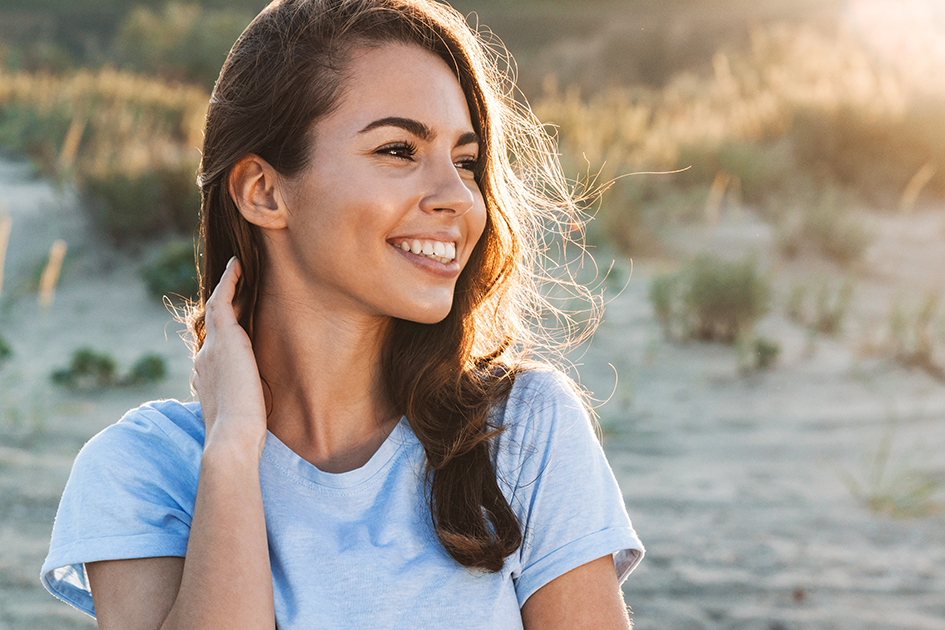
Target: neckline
(289, 461)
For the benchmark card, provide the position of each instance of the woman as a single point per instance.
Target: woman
(370, 449)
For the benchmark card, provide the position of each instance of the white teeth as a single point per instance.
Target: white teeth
(436, 250)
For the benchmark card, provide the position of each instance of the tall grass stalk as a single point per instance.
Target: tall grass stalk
(50, 277)
(896, 487)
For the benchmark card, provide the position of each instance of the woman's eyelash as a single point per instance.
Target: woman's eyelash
(407, 151)
(469, 164)
(403, 150)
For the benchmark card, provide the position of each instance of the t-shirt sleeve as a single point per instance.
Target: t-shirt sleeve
(566, 497)
(130, 495)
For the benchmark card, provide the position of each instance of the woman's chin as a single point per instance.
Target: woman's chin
(428, 313)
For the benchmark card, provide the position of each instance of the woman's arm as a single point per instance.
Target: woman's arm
(587, 597)
(226, 580)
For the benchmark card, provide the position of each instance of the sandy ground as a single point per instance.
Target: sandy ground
(735, 483)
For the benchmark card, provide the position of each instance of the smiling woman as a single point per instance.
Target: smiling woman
(374, 444)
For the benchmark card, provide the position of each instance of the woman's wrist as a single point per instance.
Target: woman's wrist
(237, 445)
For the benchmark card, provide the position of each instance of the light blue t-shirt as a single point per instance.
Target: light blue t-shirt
(355, 549)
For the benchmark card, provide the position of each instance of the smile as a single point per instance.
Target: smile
(439, 251)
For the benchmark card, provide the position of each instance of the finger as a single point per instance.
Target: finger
(221, 300)
(226, 288)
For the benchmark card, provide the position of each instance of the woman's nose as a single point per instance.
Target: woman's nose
(448, 190)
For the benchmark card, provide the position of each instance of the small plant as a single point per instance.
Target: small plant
(91, 370)
(134, 205)
(665, 298)
(831, 307)
(899, 489)
(912, 336)
(5, 350)
(766, 352)
(828, 224)
(724, 299)
(756, 354)
(174, 273)
(712, 299)
(87, 370)
(149, 369)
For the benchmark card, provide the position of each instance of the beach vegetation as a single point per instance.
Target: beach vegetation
(896, 485)
(916, 334)
(91, 369)
(88, 369)
(129, 143)
(831, 306)
(182, 41)
(150, 368)
(173, 274)
(6, 351)
(711, 299)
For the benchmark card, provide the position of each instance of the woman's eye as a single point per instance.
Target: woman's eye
(402, 150)
(468, 164)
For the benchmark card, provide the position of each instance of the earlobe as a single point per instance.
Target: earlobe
(254, 188)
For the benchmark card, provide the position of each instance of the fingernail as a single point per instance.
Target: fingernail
(229, 263)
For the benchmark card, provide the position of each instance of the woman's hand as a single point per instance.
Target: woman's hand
(226, 379)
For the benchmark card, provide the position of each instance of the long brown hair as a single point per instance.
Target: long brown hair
(284, 74)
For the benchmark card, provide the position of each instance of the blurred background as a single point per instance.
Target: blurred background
(768, 247)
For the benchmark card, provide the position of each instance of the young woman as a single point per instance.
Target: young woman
(370, 448)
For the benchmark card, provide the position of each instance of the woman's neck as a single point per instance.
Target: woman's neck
(322, 380)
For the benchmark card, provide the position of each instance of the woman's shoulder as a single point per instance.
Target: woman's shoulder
(169, 427)
(540, 394)
(543, 405)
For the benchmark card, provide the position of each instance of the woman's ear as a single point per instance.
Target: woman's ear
(255, 188)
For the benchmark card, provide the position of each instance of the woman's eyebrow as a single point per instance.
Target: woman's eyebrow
(418, 129)
(415, 127)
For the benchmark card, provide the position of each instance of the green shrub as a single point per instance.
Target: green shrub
(149, 369)
(724, 299)
(713, 299)
(756, 353)
(827, 224)
(766, 353)
(665, 298)
(913, 335)
(129, 206)
(831, 306)
(174, 273)
(183, 42)
(5, 350)
(757, 169)
(90, 369)
(87, 370)
(622, 219)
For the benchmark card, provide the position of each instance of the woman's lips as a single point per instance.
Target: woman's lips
(439, 266)
(440, 251)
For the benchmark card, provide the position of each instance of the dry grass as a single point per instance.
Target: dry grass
(116, 135)
(796, 113)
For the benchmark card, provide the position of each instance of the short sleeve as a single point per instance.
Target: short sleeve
(563, 490)
(130, 494)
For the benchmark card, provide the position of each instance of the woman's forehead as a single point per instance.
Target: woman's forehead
(401, 81)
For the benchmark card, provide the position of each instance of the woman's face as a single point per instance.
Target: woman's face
(387, 214)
